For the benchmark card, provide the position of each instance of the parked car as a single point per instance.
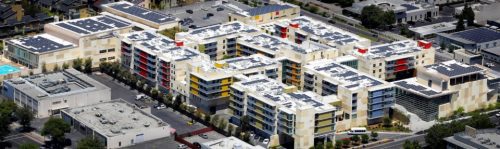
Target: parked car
(498, 115)
(160, 106)
(189, 11)
(204, 136)
(220, 9)
(357, 131)
(266, 141)
(182, 146)
(140, 97)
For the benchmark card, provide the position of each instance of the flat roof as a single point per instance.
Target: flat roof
(92, 25)
(434, 28)
(273, 92)
(484, 138)
(140, 12)
(412, 84)
(211, 32)
(267, 9)
(274, 44)
(230, 142)
(394, 5)
(319, 30)
(391, 49)
(115, 118)
(478, 35)
(42, 43)
(495, 51)
(237, 63)
(159, 45)
(345, 75)
(63, 83)
(453, 68)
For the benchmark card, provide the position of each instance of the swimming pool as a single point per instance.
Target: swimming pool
(6, 69)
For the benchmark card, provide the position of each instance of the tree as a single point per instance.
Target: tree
(7, 108)
(442, 46)
(223, 124)
(389, 18)
(468, 14)
(374, 135)
(411, 145)
(245, 123)
(459, 112)
(56, 68)
(329, 145)
(365, 138)
(215, 120)
(167, 99)
(230, 129)
(65, 66)
(90, 143)
(29, 146)
(25, 117)
(154, 93)
(77, 64)
(387, 122)
(460, 24)
(371, 16)
(104, 67)
(355, 138)
(88, 65)
(44, 67)
(338, 144)
(480, 121)
(207, 118)
(346, 142)
(56, 129)
(319, 145)
(313, 9)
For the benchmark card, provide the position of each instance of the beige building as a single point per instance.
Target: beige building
(291, 55)
(281, 113)
(47, 94)
(303, 29)
(440, 89)
(266, 14)
(217, 41)
(210, 80)
(361, 99)
(394, 61)
(66, 41)
(116, 123)
(141, 17)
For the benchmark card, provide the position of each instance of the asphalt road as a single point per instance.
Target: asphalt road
(119, 90)
(399, 142)
(381, 135)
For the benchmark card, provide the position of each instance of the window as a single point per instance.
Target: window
(380, 64)
(102, 59)
(119, 143)
(374, 65)
(380, 70)
(373, 71)
(111, 50)
(429, 83)
(111, 58)
(102, 51)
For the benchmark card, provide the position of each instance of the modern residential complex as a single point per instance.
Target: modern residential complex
(405, 11)
(116, 123)
(395, 61)
(291, 55)
(441, 88)
(303, 29)
(281, 112)
(473, 40)
(209, 81)
(362, 99)
(266, 14)
(159, 60)
(48, 94)
(217, 41)
(66, 41)
(141, 16)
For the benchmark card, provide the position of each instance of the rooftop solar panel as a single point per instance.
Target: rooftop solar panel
(479, 35)
(409, 7)
(113, 21)
(267, 9)
(72, 28)
(418, 88)
(452, 68)
(143, 13)
(40, 44)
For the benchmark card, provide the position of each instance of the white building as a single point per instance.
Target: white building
(116, 123)
(48, 94)
(229, 142)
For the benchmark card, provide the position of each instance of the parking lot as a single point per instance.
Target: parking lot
(119, 90)
(210, 136)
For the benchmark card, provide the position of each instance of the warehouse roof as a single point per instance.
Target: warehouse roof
(42, 43)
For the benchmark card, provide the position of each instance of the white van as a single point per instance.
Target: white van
(357, 131)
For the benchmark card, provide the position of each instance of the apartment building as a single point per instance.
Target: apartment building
(303, 28)
(396, 60)
(65, 41)
(116, 123)
(281, 113)
(217, 41)
(266, 14)
(159, 60)
(362, 99)
(210, 80)
(291, 55)
(141, 17)
(47, 94)
(441, 88)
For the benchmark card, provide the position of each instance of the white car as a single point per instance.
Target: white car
(181, 146)
(139, 97)
(162, 106)
(266, 141)
(497, 115)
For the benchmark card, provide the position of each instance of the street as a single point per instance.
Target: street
(398, 143)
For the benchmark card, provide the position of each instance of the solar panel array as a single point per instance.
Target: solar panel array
(267, 9)
(305, 98)
(350, 78)
(418, 88)
(92, 25)
(274, 44)
(452, 68)
(143, 13)
(393, 49)
(324, 31)
(479, 35)
(409, 7)
(41, 44)
(222, 30)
